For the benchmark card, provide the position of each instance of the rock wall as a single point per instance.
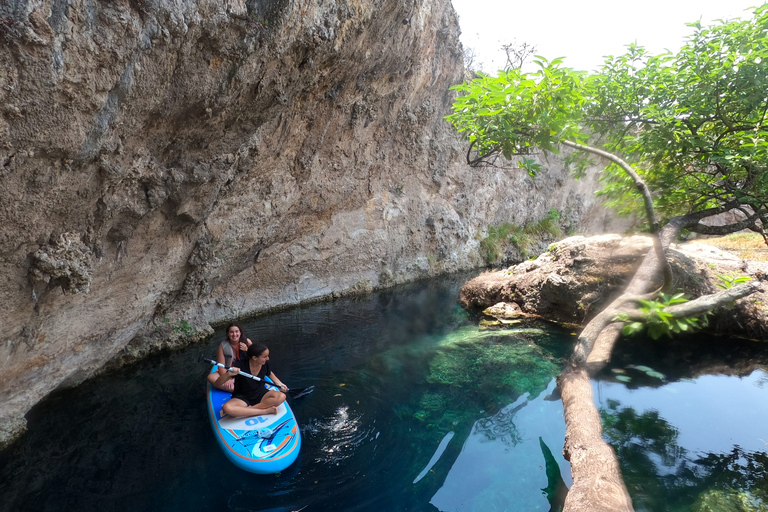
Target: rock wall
(168, 165)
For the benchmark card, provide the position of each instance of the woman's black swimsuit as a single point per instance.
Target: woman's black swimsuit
(248, 390)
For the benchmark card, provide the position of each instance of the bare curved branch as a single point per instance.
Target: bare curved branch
(748, 223)
(639, 183)
(705, 303)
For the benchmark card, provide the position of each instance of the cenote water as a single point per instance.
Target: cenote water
(414, 409)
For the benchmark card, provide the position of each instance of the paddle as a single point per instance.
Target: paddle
(294, 393)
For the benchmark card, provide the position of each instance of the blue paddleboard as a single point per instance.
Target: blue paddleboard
(259, 444)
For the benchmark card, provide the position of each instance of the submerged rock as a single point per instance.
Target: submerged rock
(728, 500)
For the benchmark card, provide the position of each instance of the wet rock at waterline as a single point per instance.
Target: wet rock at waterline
(577, 276)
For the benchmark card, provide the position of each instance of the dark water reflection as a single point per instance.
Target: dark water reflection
(695, 437)
(414, 409)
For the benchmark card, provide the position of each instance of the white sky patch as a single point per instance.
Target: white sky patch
(584, 32)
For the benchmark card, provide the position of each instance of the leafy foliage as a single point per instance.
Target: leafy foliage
(500, 237)
(659, 322)
(515, 112)
(691, 124)
(492, 247)
(730, 280)
(695, 121)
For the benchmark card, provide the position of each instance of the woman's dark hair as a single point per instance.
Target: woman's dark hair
(243, 337)
(256, 349)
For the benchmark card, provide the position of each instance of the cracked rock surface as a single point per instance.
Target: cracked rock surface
(171, 165)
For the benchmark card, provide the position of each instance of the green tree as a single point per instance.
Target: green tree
(688, 127)
(685, 138)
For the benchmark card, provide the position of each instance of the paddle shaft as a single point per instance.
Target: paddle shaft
(244, 374)
(293, 392)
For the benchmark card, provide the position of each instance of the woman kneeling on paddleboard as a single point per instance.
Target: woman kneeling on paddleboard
(250, 397)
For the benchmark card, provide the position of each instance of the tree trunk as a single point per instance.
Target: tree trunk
(597, 482)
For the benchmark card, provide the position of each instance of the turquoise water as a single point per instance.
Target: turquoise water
(414, 409)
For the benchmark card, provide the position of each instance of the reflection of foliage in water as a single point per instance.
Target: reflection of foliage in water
(637, 435)
(661, 476)
(738, 478)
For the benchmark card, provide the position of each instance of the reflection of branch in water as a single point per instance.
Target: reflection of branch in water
(501, 425)
(556, 489)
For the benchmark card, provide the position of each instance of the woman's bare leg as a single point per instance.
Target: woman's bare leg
(228, 386)
(272, 399)
(237, 409)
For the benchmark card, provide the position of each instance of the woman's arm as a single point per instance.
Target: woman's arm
(277, 381)
(220, 360)
(229, 373)
(245, 344)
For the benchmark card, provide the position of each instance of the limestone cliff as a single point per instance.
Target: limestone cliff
(168, 165)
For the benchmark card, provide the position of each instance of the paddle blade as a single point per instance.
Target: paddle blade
(300, 392)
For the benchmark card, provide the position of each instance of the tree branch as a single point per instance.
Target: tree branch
(645, 192)
(747, 223)
(705, 303)
(671, 230)
(639, 183)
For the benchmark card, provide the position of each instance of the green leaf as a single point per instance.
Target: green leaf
(632, 328)
(692, 124)
(655, 331)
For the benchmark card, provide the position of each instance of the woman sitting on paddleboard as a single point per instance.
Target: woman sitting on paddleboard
(231, 349)
(251, 397)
